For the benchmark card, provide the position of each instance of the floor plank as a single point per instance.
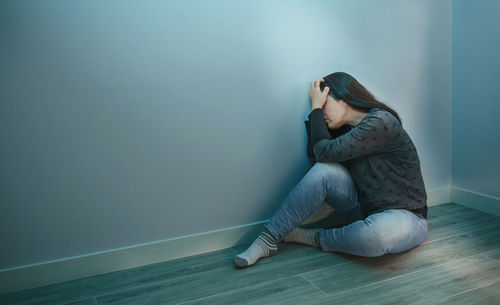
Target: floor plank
(457, 236)
(486, 295)
(91, 301)
(451, 226)
(292, 290)
(494, 254)
(445, 224)
(120, 280)
(422, 287)
(294, 259)
(373, 269)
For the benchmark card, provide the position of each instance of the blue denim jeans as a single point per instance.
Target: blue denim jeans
(389, 231)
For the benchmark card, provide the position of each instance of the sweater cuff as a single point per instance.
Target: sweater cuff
(319, 129)
(315, 113)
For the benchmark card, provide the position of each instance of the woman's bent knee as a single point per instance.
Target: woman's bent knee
(377, 245)
(391, 231)
(411, 234)
(327, 168)
(334, 175)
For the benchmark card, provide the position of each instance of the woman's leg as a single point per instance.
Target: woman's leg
(324, 181)
(389, 231)
(330, 182)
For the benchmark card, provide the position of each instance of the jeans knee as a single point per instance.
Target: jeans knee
(402, 239)
(375, 245)
(328, 167)
(327, 171)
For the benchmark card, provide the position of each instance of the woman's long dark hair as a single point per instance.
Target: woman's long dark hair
(345, 87)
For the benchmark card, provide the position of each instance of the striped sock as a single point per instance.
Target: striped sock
(307, 237)
(265, 245)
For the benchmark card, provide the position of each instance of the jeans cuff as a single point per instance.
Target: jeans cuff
(320, 240)
(275, 234)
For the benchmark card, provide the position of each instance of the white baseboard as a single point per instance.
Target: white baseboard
(474, 200)
(36, 275)
(439, 196)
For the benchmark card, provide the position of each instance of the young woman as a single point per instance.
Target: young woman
(365, 166)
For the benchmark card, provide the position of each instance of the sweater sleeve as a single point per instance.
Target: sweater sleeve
(375, 133)
(319, 129)
(310, 154)
(334, 134)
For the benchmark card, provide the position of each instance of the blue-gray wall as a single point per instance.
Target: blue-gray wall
(475, 135)
(126, 122)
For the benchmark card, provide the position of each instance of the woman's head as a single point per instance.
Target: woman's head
(348, 98)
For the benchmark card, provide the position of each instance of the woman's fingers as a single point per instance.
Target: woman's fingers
(316, 82)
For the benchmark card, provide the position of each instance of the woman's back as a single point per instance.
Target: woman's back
(382, 160)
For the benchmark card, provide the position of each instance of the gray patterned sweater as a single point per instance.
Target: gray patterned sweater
(380, 156)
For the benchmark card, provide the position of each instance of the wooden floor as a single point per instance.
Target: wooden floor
(458, 263)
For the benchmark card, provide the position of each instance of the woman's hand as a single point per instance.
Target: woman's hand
(318, 98)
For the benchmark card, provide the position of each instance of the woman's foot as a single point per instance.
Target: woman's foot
(306, 237)
(265, 245)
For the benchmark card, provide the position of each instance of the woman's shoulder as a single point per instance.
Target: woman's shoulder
(386, 116)
(380, 121)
